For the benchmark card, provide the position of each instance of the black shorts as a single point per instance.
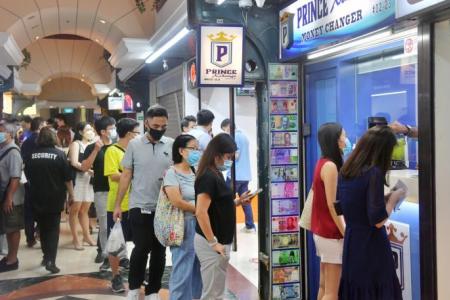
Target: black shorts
(124, 222)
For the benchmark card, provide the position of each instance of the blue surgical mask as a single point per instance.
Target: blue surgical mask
(2, 137)
(348, 148)
(226, 166)
(194, 157)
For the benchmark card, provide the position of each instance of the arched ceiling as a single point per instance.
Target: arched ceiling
(52, 58)
(66, 89)
(102, 23)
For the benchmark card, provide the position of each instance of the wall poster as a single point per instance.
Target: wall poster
(287, 251)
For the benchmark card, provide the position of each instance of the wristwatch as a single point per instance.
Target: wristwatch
(408, 130)
(213, 242)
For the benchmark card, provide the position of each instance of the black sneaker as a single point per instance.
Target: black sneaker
(105, 265)
(4, 267)
(124, 264)
(117, 284)
(43, 262)
(51, 267)
(99, 258)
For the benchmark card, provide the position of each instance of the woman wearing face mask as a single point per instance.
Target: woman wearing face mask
(83, 190)
(215, 211)
(326, 225)
(185, 280)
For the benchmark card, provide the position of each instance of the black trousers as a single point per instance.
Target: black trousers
(145, 242)
(29, 215)
(48, 224)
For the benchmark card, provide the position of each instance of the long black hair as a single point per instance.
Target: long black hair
(180, 142)
(221, 144)
(329, 135)
(79, 131)
(374, 149)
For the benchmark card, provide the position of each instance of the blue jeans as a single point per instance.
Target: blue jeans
(185, 281)
(242, 187)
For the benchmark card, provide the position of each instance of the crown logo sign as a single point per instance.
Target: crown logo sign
(393, 237)
(221, 37)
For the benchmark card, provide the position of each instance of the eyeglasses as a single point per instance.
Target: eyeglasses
(191, 148)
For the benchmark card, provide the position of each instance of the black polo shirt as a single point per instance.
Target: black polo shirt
(99, 181)
(222, 209)
(47, 171)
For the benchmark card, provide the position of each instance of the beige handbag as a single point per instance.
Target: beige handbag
(305, 218)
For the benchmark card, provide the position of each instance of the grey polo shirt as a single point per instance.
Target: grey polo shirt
(148, 163)
(11, 167)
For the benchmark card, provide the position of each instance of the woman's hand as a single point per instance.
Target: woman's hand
(397, 195)
(219, 248)
(244, 199)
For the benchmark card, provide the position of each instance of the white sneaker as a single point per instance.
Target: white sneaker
(248, 230)
(133, 294)
(152, 297)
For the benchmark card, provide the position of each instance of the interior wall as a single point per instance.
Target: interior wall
(217, 100)
(442, 138)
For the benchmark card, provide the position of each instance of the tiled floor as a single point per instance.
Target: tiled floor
(80, 278)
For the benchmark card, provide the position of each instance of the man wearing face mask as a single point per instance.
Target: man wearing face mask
(203, 130)
(145, 161)
(11, 195)
(94, 157)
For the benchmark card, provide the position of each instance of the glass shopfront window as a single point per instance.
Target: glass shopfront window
(362, 89)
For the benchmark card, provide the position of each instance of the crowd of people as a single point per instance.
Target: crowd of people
(47, 169)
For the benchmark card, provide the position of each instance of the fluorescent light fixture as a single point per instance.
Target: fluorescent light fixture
(220, 2)
(357, 42)
(102, 21)
(349, 45)
(167, 45)
(388, 94)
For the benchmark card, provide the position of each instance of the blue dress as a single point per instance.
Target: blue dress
(368, 271)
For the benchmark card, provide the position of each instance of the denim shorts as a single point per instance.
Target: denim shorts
(11, 222)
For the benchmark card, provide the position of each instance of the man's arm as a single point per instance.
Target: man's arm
(12, 188)
(87, 163)
(124, 183)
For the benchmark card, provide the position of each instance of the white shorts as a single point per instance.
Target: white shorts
(329, 250)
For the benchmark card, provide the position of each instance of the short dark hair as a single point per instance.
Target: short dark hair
(221, 144)
(61, 117)
(103, 123)
(79, 128)
(329, 134)
(47, 138)
(26, 119)
(180, 142)
(374, 149)
(157, 111)
(205, 117)
(126, 125)
(36, 123)
(186, 120)
(225, 123)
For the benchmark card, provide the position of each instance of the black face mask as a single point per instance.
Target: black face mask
(156, 134)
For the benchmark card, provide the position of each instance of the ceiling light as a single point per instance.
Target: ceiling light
(49, 80)
(82, 79)
(220, 2)
(82, 75)
(102, 21)
(37, 37)
(97, 40)
(381, 36)
(167, 45)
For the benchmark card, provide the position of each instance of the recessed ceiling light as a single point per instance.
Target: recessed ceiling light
(82, 79)
(102, 21)
(97, 40)
(37, 37)
(82, 106)
(49, 80)
(82, 75)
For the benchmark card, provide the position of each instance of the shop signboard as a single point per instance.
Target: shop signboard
(220, 53)
(410, 7)
(306, 25)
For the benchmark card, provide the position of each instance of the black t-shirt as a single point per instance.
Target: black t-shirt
(221, 212)
(47, 171)
(99, 181)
